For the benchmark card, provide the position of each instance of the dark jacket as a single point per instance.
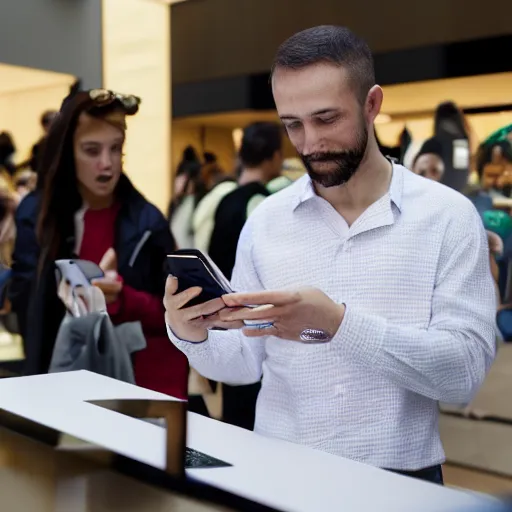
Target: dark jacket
(143, 241)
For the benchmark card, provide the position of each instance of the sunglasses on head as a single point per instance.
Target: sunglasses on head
(104, 97)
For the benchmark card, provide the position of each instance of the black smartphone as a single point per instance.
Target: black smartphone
(193, 268)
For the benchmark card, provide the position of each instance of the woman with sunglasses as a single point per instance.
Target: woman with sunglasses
(86, 207)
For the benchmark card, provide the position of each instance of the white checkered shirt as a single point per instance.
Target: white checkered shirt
(414, 273)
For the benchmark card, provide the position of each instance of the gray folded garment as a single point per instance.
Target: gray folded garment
(91, 342)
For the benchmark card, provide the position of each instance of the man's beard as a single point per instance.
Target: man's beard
(347, 162)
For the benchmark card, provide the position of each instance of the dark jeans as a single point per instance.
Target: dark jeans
(197, 404)
(433, 474)
(239, 405)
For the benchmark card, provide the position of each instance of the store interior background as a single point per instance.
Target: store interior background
(211, 40)
(409, 105)
(24, 92)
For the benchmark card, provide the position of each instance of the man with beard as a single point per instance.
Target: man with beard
(375, 282)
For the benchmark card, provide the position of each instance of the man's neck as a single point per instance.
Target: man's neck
(369, 184)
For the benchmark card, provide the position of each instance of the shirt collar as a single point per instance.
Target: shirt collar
(306, 190)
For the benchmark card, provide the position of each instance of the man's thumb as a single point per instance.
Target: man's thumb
(171, 286)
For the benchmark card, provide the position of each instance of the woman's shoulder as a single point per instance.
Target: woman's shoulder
(137, 208)
(149, 216)
(144, 218)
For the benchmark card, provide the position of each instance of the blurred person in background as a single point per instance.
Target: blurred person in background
(211, 171)
(429, 161)
(261, 157)
(189, 189)
(7, 151)
(9, 201)
(86, 207)
(9, 198)
(203, 220)
(25, 181)
(37, 149)
(452, 131)
(262, 160)
(494, 165)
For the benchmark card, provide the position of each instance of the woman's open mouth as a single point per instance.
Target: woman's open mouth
(104, 178)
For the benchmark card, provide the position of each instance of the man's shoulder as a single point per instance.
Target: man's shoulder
(433, 197)
(282, 202)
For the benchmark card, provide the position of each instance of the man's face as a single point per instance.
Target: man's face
(324, 120)
(430, 166)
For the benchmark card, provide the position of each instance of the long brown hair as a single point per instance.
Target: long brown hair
(57, 183)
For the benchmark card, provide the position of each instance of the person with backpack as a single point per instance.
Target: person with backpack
(261, 160)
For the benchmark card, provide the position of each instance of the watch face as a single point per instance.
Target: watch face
(314, 336)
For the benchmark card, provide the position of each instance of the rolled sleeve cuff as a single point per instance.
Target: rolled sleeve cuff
(360, 335)
(187, 347)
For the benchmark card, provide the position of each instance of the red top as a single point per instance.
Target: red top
(99, 233)
(161, 366)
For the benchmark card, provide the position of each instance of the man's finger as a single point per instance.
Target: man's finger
(214, 321)
(182, 299)
(171, 286)
(279, 298)
(204, 310)
(260, 333)
(267, 312)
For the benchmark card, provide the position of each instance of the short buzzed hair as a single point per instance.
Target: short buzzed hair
(334, 45)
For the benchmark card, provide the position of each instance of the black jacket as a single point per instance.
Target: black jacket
(143, 240)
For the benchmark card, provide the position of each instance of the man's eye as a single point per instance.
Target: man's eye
(293, 126)
(327, 120)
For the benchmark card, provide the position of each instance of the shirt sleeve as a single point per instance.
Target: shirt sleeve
(228, 356)
(447, 361)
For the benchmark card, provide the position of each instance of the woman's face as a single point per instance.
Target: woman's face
(98, 151)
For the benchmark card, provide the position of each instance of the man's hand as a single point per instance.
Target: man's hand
(192, 323)
(292, 312)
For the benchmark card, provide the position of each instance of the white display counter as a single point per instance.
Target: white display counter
(282, 475)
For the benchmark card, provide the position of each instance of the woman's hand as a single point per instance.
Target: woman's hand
(111, 284)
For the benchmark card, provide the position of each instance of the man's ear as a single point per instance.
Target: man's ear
(374, 102)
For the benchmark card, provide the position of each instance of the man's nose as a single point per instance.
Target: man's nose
(311, 142)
